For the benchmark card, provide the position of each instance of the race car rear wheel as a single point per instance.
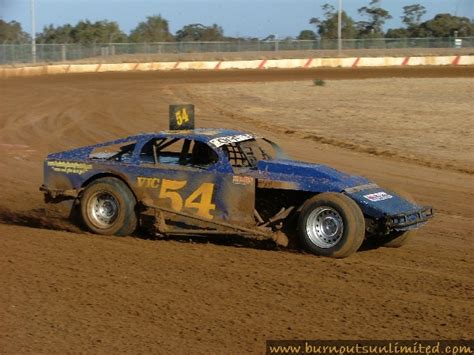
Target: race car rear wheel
(398, 239)
(108, 207)
(331, 224)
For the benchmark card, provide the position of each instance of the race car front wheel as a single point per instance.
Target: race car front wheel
(108, 207)
(331, 224)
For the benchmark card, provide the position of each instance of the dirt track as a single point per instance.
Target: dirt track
(66, 290)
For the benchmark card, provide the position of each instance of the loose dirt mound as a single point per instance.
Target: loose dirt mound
(67, 290)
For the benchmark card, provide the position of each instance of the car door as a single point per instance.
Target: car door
(191, 177)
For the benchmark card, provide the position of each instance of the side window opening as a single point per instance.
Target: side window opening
(148, 153)
(202, 155)
(162, 151)
(168, 151)
(178, 151)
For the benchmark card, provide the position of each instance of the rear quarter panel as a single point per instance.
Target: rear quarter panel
(207, 194)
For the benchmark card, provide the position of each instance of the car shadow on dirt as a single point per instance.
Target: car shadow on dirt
(224, 240)
(43, 218)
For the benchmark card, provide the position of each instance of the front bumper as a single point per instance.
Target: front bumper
(410, 220)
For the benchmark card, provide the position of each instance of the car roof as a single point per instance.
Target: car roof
(200, 134)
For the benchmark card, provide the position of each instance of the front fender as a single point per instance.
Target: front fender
(376, 202)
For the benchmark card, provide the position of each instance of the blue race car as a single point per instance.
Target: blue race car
(219, 181)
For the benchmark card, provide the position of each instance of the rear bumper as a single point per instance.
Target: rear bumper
(57, 195)
(409, 220)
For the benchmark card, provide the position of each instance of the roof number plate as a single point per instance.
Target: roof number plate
(181, 117)
(218, 142)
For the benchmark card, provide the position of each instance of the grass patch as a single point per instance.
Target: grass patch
(319, 82)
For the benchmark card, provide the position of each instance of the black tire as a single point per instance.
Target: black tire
(108, 207)
(398, 239)
(342, 231)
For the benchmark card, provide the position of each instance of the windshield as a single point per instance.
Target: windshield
(248, 153)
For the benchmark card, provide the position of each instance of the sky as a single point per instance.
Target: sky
(248, 18)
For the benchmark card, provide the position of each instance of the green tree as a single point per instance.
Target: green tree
(327, 27)
(397, 33)
(154, 29)
(376, 17)
(98, 32)
(60, 34)
(445, 25)
(307, 35)
(412, 15)
(12, 32)
(199, 32)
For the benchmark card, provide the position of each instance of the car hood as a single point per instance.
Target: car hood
(308, 177)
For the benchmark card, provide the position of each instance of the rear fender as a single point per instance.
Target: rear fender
(68, 178)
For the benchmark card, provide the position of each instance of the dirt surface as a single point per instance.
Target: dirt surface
(426, 121)
(64, 290)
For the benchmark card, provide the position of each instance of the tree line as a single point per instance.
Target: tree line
(374, 18)
(156, 28)
(153, 29)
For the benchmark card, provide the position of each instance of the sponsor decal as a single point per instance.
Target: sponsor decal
(378, 196)
(148, 182)
(242, 180)
(69, 167)
(218, 142)
(272, 184)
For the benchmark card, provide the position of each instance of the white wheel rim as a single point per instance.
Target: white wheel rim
(324, 227)
(103, 209)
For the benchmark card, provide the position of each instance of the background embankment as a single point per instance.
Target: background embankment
(253, 64)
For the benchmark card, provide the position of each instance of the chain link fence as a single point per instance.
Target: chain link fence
(48, 53)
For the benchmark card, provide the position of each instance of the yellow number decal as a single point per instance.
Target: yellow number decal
(182, 116)
(168, 190)
(200, 199)
(204, 205)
